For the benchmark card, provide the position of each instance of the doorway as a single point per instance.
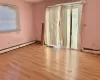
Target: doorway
(62, 26)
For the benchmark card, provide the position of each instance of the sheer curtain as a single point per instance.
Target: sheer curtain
(60, 22)
(52, 26)
(76, 25)
(65, 26)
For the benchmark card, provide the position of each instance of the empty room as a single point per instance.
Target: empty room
(49, 40)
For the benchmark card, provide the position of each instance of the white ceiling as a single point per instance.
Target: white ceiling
(36, 1)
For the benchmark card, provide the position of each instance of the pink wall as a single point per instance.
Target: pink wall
(90, 27)
(26, 17)
(40, 14)
(32, 17)
(97, 24)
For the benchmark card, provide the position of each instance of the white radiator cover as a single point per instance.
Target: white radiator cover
(16, 47)
(91, 51)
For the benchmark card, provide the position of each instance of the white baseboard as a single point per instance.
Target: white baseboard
(91, 51)
(27, 44)
(16, 47)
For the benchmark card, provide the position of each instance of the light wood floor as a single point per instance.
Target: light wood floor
(35, 62)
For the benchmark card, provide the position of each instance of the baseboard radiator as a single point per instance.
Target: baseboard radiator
(16, 47)
(89, 50)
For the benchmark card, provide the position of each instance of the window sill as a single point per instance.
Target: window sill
(8, 31)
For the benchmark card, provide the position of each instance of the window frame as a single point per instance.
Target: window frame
(17, 19)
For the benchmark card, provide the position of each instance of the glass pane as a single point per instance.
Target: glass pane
(8, 18)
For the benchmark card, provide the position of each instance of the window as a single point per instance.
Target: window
(8, 18)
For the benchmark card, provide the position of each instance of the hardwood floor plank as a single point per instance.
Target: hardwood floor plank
(36, 62)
